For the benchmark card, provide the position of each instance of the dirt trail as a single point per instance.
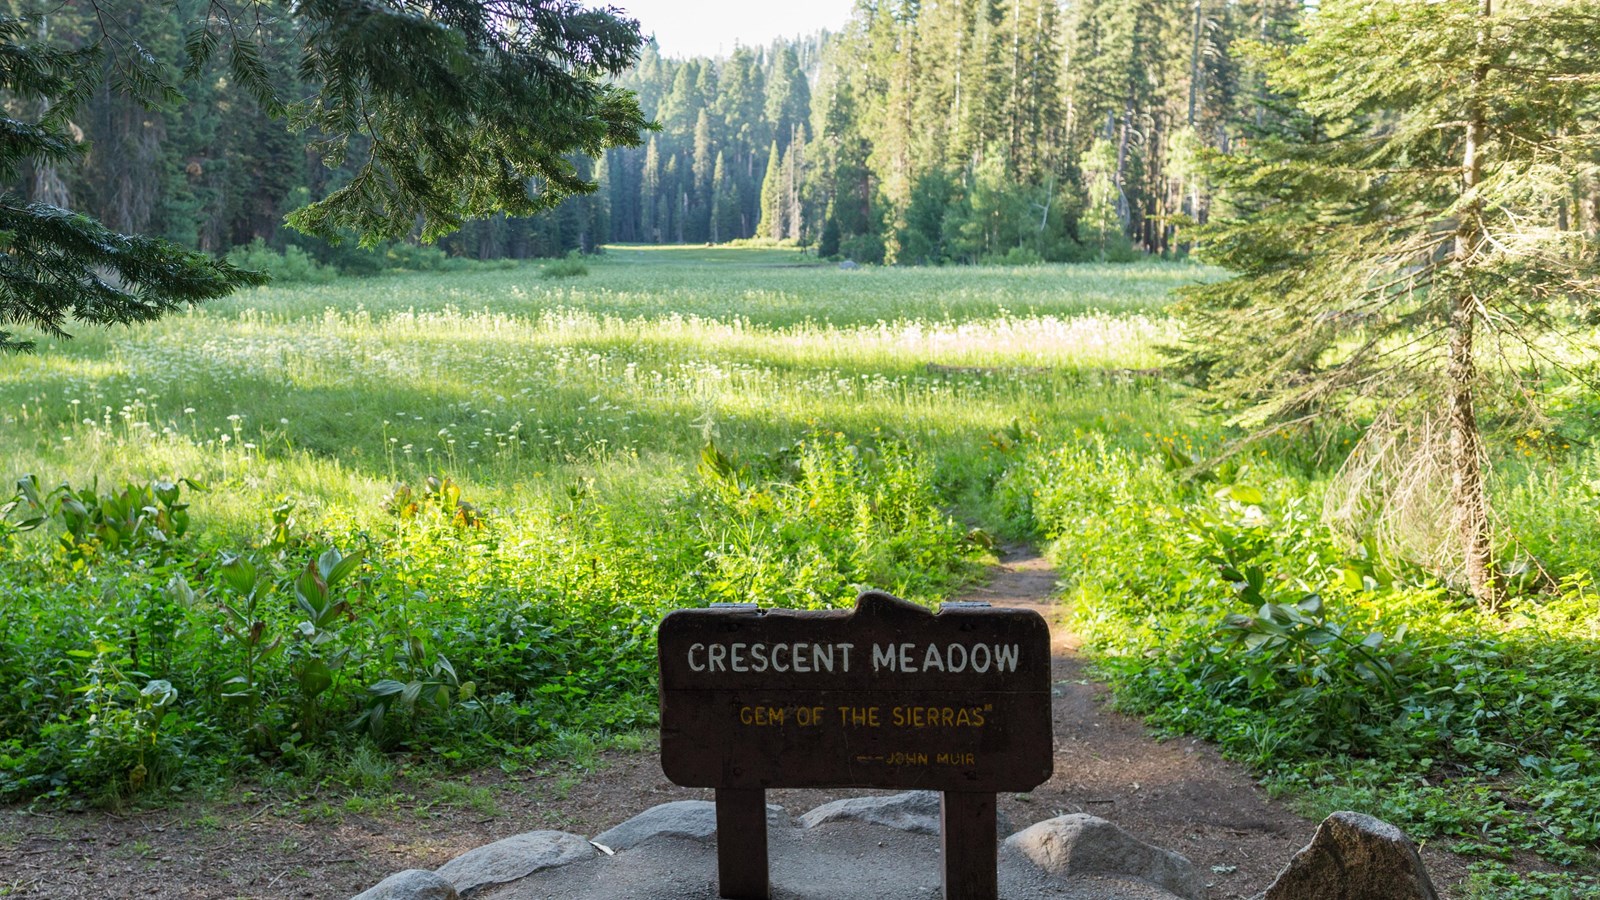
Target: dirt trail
(1177, 794)
(325, 842)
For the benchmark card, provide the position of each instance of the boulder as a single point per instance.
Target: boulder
(1080, 844)
(915, 811)
(514, 858)
(1354, 857)
(692, 819)
(848, 265)
(412, 884)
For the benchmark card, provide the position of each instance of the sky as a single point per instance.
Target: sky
(712, 27)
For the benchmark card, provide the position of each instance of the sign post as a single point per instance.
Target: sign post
(889, 695)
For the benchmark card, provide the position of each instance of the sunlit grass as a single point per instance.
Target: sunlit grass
(512, 384)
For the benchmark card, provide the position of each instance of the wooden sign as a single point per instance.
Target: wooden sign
(889, 695)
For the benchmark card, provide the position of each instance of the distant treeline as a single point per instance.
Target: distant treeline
(950, 130)
(935, 131)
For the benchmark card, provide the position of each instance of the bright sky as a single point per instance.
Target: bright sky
(712, 27)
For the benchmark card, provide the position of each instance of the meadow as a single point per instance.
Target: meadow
(440, 514)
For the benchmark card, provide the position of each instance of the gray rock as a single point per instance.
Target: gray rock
(849, 264)
(1355, 857)
(412, 884)
(1078, 845)
(844, 861)
(915, 811)
(692, 819)
(514, 858)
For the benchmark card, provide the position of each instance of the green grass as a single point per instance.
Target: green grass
(684, 425)
(860, 419)
(509, 383)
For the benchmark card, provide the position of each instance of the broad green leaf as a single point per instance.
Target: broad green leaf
(327, 562)
(409, 694)
(315, 678)
(342, 568)
(1245, 494)
(385, 688)
(160, 692)
(239, 575)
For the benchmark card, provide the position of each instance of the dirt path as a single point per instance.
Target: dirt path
(326, 842)
(1177, 794)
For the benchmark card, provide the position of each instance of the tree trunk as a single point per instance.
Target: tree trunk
(1124, 206)
(1586, 208)
(1194, 65)
(1467, 495)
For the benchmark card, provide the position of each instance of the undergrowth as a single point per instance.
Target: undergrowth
(1223, 608)
(140, 656)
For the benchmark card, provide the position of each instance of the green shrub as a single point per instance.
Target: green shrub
(1224, 608)
(137, 656)
(570, 267)
(809, 526)
(291, 266)
(863, 248)
(1016, 256)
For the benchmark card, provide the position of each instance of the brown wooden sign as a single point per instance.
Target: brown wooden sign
(888, 695)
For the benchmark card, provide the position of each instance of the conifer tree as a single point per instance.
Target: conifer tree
(704, 165)
(53, 262)
(1399, 245)
(788, 101)
(790, 209)
(771, 224)
(650, 193)
(828, 244)
(724, 212)
(440, 112)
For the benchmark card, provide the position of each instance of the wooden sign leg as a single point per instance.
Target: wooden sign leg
(742, 844)
(967, 843)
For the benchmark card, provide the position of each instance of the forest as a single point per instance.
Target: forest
(375, 377)
(917, 133)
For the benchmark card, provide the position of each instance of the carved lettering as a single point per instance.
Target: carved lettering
(883, 657)
(906, 665)
(954, 700)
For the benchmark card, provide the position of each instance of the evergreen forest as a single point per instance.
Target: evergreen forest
(918, 133)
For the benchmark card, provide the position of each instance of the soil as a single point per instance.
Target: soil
(266, 844)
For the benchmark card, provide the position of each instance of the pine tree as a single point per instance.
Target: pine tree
(828, 244)
(457, 119)
(704, 171)
(1037, 138)
(724, 205)
(669, 203)
(791, 210)
(680, 108)
(771, 224)
(53, 259)
(650, 194)
(1400, 246)
(788, 101)
(435, 117)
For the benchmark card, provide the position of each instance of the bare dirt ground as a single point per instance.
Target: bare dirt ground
(329, 843)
